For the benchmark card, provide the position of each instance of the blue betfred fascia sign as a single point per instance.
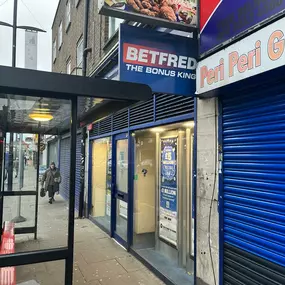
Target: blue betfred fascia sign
(223, 20)
(165, 62)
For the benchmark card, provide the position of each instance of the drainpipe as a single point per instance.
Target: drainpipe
(85, 37)
(84, 69)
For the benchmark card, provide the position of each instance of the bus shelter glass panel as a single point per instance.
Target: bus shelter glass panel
(37, 274)
(102, 181)
(31, 196)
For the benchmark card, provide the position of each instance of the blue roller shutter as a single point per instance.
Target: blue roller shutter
(78, 164)
(53, 152)
(254, 189)
(65, 168)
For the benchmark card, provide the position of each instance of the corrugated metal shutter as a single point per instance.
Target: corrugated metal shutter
(254, 189)
(164, 106)
(77, 173)
(65, 168)
(53, 152)
(120, 120)
(168, 106)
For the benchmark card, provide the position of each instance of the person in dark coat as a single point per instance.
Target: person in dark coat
(51, 179)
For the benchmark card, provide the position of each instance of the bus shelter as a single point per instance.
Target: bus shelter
(45, 104)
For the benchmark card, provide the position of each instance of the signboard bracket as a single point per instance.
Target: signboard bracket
(152, 21)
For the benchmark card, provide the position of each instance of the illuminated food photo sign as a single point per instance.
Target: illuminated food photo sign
(178, 13)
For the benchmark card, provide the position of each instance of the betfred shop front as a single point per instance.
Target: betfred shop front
(247, 79)
(141, 186)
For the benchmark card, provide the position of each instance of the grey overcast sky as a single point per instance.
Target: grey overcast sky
(41, 15)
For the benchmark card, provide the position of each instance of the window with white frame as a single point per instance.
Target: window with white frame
(68, 66)
(79, 56)
(114, 24)
(60, 35)
(67, 14)
(54, 50)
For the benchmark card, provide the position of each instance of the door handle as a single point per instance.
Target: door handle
(120, 196)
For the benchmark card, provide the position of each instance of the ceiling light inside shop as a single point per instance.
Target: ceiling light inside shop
(42, 109)
(157, 130)
(41, 117)
(189, 124)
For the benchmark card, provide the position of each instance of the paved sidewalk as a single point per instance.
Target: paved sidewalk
(98, 260)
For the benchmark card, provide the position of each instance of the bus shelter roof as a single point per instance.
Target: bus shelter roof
(23, 91)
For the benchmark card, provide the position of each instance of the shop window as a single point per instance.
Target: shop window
(163, 198)
(67, 15)
(79, 56)
(144, 190)
(101, 181)
(68, 66)
(60, 35)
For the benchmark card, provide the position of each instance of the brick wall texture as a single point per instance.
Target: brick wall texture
(98, 27)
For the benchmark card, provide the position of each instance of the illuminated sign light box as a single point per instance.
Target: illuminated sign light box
(222, 21)
(176, 14)
(257, 53)
(165, 62)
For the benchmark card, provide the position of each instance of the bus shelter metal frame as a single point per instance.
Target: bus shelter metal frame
(3, 194)
(54, 85)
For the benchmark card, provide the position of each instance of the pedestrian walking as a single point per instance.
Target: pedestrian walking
(51, 179)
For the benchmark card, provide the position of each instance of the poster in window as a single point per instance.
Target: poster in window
(109, 180)
(168, 190)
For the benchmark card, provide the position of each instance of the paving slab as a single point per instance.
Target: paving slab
(98, 259)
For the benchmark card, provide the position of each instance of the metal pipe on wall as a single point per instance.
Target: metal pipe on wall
(84, 71)
(85, 37)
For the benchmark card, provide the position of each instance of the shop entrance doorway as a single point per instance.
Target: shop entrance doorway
(120, 201)
(163, 230)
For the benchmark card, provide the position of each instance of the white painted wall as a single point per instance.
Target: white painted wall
(206, 169)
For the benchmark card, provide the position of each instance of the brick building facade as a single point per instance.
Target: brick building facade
(69, 24)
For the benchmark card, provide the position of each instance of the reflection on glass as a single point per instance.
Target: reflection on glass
(144, 190)
(122, 219)
(25, 123)
(38, 274)
(122, 186)
(157, 203)
(101, 181)
(122, 166)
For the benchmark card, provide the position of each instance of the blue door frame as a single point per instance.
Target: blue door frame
(116, 194)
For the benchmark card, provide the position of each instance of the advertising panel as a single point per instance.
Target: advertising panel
(168, 190)
(31, 49)
(165, 62)
(109, 180)
(179, 13)
(257, 53)
(223, 20)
